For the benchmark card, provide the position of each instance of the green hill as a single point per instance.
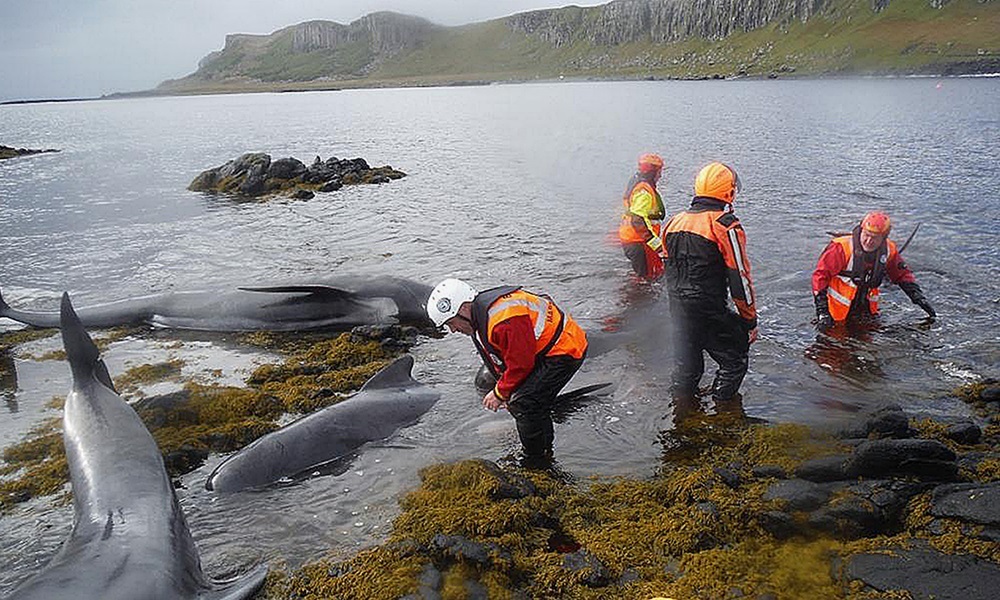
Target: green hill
(622, 39)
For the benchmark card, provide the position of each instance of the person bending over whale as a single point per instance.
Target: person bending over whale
(532, 347)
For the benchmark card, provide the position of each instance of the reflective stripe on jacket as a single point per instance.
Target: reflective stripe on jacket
(705, 259)
(494, 306)
(843, 287)
(643, 214)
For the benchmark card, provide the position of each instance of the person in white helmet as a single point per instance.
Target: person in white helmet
(531, 346)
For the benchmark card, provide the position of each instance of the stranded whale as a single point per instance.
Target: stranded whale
(388, 401)
(341, 303)
(130, 539)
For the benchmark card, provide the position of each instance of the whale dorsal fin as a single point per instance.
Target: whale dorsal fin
(395, 375)
(83, 355)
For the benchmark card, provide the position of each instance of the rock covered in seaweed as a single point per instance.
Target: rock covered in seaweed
(8, 152)
(254, 175)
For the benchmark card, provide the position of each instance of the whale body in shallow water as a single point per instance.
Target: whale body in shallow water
(388, 401)
(340, 303)
(130, 540)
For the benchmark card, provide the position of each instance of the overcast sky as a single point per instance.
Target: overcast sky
(84, 48)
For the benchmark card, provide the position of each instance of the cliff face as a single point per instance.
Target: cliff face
(661, 21)
(385, 33)
(631, 38)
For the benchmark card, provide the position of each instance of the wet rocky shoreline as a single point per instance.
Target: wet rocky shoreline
(889, 506)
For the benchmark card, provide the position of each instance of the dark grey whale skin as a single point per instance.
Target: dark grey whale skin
(339, 303)
(130, 540)
(387, 402)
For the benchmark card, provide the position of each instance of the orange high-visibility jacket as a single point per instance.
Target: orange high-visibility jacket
(844, 286)
(643, 214)
(556, 333)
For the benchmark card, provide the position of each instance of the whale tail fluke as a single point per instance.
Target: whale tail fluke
(244, 586)
(81, 352)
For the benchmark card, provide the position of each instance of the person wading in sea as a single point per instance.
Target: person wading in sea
(705, 262)
(846, 281)
(639, 230)
(532, 347)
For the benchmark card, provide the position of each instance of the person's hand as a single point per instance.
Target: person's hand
(493, 402)
(824, 323)
(752, 335)
(924, 304)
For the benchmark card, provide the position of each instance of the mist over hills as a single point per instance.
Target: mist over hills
(688, 39)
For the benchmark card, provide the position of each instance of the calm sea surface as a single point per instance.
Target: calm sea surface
(515, 184)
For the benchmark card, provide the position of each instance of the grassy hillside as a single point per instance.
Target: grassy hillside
(849, 37)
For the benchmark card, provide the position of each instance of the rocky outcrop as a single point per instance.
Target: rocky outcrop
(255, 175)
(384, 33)
(8, 152)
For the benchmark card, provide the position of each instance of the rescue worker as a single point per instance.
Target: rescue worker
(639, 231)
(532, 347)
(705, 261)
(848, 274)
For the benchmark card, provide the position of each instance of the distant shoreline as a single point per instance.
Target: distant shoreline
(313, 86)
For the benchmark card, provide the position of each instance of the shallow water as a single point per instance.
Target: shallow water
(507, 184)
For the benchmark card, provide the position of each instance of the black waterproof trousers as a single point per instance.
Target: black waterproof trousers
(531, 404)
(636, 254)
(721, 334)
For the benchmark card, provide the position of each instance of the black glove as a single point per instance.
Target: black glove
(924, 304)
(917, 297)
(823, 319)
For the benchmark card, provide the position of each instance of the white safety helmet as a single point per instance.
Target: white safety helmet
(446, 298)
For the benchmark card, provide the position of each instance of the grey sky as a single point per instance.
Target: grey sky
(76, 48)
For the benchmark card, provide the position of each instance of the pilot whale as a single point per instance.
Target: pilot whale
(388, 401)
(337, 304)
(130, 540)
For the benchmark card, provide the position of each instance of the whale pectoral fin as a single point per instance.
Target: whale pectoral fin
(322, 290)
(244, 586)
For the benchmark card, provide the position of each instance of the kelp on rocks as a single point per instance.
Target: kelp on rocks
(187, 425)
(696, 530)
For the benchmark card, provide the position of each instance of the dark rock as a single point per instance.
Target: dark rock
(629, 576)
(430, 578)
(928, 459)
(185, 459)
(990, 393)
(976, 503)
(926, 573)
(407, 548)
(798, 494)
(779, 524)
(826, 468)
(966, 433)
(885, 421)
(768, 471)
(592, 571)
(510, 485)
(255, 182)
(456, 547)
(331, 186)
(167, 402)
(729, 477)
(9, 152)
(286, 168)
(475, 590)
(205, 181)
(866, 508)
(301, 194)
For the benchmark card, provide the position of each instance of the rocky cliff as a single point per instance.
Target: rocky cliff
(623, 38)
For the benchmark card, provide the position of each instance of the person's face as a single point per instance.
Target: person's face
(461, 323)
(870, 241)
